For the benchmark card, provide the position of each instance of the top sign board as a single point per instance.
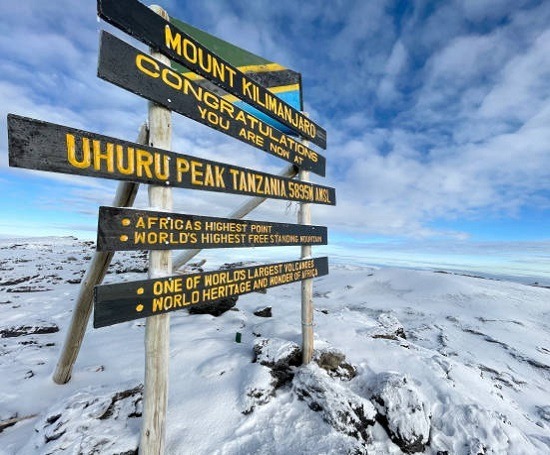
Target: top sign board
(283, 82)
(141, 22)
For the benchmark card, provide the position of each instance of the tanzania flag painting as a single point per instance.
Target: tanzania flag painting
(285, 83)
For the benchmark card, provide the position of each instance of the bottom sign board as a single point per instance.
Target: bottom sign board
(115, 303)
(121, 229)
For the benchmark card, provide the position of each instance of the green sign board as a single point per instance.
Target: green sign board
(285, 83)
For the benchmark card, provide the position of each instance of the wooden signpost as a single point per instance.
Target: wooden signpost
(115, 303)
(163, 36)
(133, 70)
(121, 229)
(40, 145)
(34, 144)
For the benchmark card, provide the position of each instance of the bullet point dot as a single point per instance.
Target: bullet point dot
(125, 221)
(140, 291)
(123, 238)
(139, 308)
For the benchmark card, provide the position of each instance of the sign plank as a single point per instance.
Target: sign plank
(34, 144)
(137, 20)
(115, 303)
(123, 229)
(129, 68)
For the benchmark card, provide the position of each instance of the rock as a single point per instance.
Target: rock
(13, 420)
(402, 411)
(280, 356)
(11, 282)
(330, 360)
(263, 312)
(232, 265)
(216, 308)
(259, 390)
(29, 330)
(341, 408)
(389, 328)
(277, 360)
(21, 289)
(334, 363)
(543, 412)
(94, 421)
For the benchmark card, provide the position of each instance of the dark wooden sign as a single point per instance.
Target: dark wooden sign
(122, 229)
(129, 68)
(44, 146)
(115, 303)
(142, 23)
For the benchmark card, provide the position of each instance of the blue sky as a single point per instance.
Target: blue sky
(437, 113)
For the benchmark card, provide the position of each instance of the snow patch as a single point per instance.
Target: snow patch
(91, 422)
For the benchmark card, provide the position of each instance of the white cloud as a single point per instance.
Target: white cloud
(396, 63)
(523, 86)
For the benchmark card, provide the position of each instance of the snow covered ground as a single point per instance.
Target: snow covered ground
(443, 363)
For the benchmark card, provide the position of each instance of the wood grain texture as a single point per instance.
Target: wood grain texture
(157, 330)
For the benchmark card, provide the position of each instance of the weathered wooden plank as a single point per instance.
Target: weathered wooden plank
(35, 144)
(133, 70)
(137, 20)
(122, 229)
(115, 303)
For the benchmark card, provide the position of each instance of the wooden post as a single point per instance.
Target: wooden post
(157, 328)
(304, 217)
(125, 196)
(238, 213)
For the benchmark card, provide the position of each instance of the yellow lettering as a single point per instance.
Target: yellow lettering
(196, 173)
(171, 41)
(71, 152)
(108, 156)
(164, 172)
(182, 166)
(143, 163)
(175, 80)
(150, 63)
(129, 169)
(189, 46)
